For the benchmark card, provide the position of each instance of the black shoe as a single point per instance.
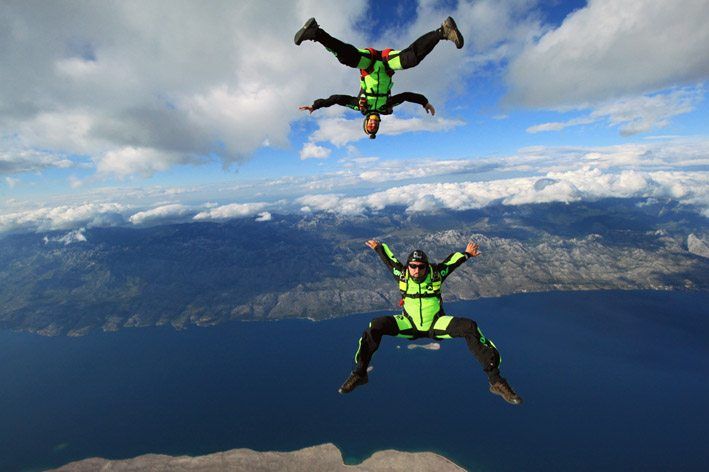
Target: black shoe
(503, 389)
(306, 32)
(450, 31)
(352, 382)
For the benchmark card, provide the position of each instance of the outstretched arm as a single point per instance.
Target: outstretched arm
(456, 259)
(343, 100)
(387, 257)
(412, 97)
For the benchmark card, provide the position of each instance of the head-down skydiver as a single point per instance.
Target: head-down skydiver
(376, 70)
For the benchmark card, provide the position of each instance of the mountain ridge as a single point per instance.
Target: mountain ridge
(317, 266)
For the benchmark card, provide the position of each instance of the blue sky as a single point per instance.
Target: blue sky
(130, 107)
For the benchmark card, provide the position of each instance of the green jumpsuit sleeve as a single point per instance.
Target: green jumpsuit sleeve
(390, 260)
(450, 263)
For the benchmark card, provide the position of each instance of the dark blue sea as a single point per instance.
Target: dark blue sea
(611, 381)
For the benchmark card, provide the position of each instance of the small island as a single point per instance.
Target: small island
(322, 458)
(429, 346)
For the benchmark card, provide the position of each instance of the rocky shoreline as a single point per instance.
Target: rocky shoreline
(322, 458)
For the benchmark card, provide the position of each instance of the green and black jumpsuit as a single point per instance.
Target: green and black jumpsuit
(376, 71)
(423, 316)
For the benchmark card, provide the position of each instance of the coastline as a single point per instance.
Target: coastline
(321, 458)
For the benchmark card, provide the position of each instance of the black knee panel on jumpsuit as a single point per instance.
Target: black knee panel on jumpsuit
(345, 53)
(478, 344)
(371, 337)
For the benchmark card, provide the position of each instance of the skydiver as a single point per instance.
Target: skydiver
(376, 70)
(423, 317)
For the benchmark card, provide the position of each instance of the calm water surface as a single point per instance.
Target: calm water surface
(611, 381)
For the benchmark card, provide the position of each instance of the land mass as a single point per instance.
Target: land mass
(325, 458)
(316, 266)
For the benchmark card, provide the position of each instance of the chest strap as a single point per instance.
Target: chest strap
(436, 282)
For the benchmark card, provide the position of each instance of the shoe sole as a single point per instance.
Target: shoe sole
(458, 41)
(299, 35)
(495, 392)
(343, 392)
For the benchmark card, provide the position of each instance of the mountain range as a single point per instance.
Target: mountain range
(316, 265)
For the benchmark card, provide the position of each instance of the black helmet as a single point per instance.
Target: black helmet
(417, 255)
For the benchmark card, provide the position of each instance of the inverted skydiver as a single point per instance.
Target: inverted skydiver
(376, 70)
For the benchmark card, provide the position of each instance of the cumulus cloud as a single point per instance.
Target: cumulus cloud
(233, 210)
(611, 49)
(585, 184)
(313, 151)
(264, 216)
(64, 217)
(131, 160)
(76, 236)
(160, 214)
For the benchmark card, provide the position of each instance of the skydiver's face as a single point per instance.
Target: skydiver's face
(372, 125)
(417, 269)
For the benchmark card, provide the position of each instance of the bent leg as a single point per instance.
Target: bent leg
(482, 348)
(371, 337)
(414, 54)
(345, 53)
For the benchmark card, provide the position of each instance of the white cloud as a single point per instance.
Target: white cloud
(76, 236)
(586, 184)
(264, 216)
(64, 217)
(635, 114)
(160, 214)
(313, 151)
(15, 160)
(658, 168)
(233, 210)
(129, 160)
(642, 114)
(611, 49)
(11, 182)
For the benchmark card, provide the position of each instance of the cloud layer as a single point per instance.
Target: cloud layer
(673, 169)
(585, 184)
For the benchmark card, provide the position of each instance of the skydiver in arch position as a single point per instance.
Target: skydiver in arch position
(423, 317)
(376, 70)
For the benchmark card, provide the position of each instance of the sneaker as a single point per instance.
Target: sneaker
(450, 31)
(352, 382)
(503, 389)
(306, 32)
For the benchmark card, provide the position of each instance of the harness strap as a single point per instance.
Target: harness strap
(415, 333)
(431, 331)
(436, 282)
(422, 295)
(374, 56)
